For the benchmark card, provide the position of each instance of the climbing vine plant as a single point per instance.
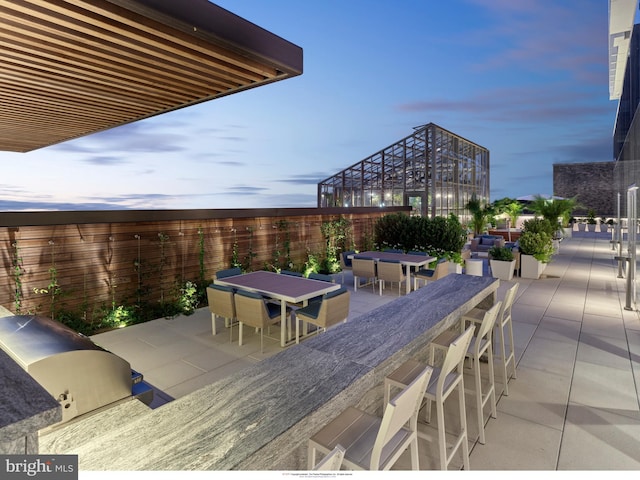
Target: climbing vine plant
(247, 266)
(336, 234)
(18, 270)
(53, 288)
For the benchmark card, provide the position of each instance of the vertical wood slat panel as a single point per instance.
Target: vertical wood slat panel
(103, 264)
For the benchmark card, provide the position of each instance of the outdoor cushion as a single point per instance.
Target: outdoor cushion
(223, 288)
(425, 272)
(335, 293)
(312, 310)
(230, 272)
(345, 255)
(289, 272)
(247, 293)
(321, 276)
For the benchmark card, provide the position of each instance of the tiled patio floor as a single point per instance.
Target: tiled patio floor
(574, 405)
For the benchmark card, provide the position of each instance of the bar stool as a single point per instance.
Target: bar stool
(481, 343)
(370, 442)
(504, 320)
(444, 381)
(332, 461)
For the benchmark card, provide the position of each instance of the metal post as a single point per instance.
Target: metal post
(619, 239)
(632, 224)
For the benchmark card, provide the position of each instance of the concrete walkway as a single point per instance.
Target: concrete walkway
(573, 406)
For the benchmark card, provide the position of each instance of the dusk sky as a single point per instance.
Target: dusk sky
(527, 79)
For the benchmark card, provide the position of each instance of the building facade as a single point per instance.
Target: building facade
(591, 183)
(433, 170)
(626, 137)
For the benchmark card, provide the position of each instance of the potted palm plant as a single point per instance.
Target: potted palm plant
(558, 212)
(480, 214)
(502, 263)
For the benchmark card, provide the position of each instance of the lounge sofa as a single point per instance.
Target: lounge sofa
(484, 243)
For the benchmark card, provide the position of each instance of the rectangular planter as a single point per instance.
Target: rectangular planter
(502, 269)
(530, 267)
(455, 267)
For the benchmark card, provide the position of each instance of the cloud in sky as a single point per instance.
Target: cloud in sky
(526, 79)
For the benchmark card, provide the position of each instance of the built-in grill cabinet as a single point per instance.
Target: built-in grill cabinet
(78, 373)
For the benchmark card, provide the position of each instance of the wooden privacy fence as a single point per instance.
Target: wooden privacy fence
(90, 262)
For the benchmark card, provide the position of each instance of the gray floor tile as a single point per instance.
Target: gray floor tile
(549, 356)
(601, 325)
(558, 329)
(537, 398)
(514, 443)
(526, 313)
(597, 438)
(169, 375)
(604, 351)
(565, 309)
(603, 386)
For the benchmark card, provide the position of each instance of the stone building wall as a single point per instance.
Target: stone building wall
(591, 183)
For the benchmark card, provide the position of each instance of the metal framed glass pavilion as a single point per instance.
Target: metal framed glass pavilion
(432, 170)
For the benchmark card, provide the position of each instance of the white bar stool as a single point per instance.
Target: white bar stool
(443, 382)
(504, 320)
(481, 343)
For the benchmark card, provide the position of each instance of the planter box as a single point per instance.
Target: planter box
(502, 269)
(530, 267)
(455, 267)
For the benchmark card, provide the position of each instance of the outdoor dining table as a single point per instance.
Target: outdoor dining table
(406, 259)
(288, 289)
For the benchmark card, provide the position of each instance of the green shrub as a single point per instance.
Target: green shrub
(393, 231)
(539, 225)
(501, 253)
(537, 244)
(436, 235)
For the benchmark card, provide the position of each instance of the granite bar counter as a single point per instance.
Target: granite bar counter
(261, 417)
(25, 408)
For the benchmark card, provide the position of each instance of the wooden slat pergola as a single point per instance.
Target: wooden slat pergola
(75, 67)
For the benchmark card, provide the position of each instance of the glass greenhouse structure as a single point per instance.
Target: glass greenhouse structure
(432, 170)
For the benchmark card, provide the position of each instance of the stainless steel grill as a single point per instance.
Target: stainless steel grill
(78, 373)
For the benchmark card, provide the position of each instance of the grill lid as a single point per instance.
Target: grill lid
(29, 338)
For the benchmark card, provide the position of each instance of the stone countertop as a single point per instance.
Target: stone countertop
(221, 426)
(25, 406)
